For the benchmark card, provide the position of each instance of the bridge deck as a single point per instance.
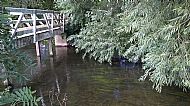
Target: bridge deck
(36, 23)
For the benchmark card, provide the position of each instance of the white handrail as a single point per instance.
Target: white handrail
(28, 20)
(28, 11)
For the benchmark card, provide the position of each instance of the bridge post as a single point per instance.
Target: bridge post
(38, 48)
(51, 32)
(59, 41)
(37, 43)
(50, 47)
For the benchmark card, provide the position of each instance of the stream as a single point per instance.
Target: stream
(68, 80)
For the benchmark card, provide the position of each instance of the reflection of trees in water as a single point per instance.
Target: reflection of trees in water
(56, 95)
(88, 83)
(116, 93)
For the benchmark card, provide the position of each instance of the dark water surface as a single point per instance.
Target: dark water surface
(68, 80)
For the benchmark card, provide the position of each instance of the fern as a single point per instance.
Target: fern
(22, 96)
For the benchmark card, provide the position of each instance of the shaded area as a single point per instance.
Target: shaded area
(68, 80)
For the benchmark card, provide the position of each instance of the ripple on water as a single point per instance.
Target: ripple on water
(88, 83)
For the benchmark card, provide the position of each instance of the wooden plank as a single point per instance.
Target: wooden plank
(15, 13)
(40, 20)
(63, 23)
(28, 24)
(47, 22)
(29, 20)
(20, 10)
(30, 28)
(27, 11)
(40, 27)
(34, 26)
(54, 24)
(32, 34)
(16, 25)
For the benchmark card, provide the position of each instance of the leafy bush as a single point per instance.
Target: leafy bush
(161, 36)
(101, 37)
(155, 31)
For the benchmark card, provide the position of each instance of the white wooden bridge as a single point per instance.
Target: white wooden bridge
(35, 25)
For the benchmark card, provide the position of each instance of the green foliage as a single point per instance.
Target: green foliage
(24, 97)
(37, 4)
(161, 39)
(99, 34)
(12, 62)
(101, 37)
(75, 13)
(155, 31)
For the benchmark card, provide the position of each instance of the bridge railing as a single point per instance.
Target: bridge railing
(35, 23)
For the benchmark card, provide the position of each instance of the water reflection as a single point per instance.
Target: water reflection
(53, 90)
(67, 80)
(61, 57)
(42, 100)
(116, 93)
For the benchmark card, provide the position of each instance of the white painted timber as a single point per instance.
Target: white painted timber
(36, 24)
(29, 23)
